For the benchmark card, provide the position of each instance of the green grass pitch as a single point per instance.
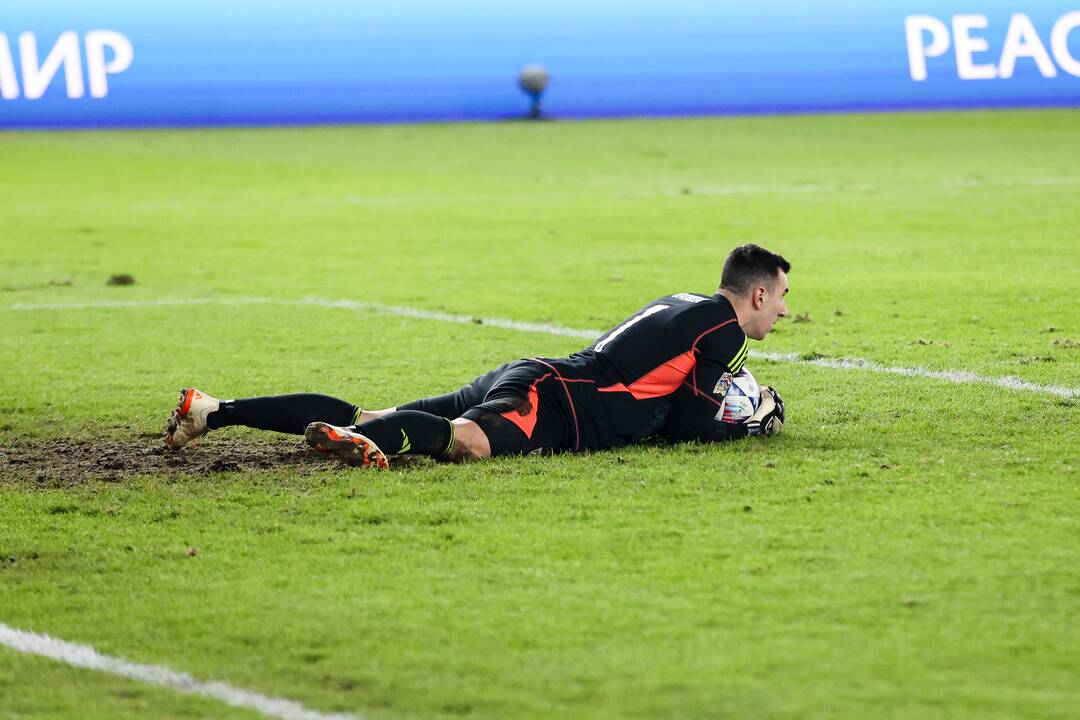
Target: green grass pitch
(908, 547)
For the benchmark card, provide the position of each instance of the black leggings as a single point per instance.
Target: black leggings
(292, 413)
(423, 421)
(283, 413)
(454, 404)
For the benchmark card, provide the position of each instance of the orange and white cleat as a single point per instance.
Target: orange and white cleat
(348, 446)
(188, 420)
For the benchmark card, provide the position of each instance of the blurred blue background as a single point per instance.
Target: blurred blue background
(245, 62)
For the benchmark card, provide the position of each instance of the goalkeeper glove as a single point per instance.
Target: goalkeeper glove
(769, 418)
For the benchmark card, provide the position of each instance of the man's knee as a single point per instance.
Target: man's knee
(470, 441)
(369, 415)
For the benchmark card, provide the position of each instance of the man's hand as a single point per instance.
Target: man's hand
(769, 418)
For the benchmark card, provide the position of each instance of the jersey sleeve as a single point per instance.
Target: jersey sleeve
(693, 410)
(720, 351)
(687, 422)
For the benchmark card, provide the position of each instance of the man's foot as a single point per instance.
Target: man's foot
(350, 447)
(188, 420)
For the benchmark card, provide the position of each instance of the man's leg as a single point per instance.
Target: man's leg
(412, 432)
(450, 405)
(397, 433)
(510, 424)
(197, 413)
(282, 413)
(431, 426)
(470, 441)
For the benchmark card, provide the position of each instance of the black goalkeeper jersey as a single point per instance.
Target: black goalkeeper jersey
(621, 388)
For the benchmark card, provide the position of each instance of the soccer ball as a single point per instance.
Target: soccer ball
(741, 397)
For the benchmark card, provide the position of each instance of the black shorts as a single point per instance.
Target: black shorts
(520, 406)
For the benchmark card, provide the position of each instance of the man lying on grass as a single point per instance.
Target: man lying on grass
(664, 370)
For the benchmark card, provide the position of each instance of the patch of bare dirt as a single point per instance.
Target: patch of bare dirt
(66, 462)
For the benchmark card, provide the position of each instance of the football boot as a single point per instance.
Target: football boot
(188, 420)
(346, 445)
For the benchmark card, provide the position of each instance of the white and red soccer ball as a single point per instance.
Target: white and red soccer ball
(741, 397)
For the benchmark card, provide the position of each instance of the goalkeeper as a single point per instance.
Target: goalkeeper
(656, 373)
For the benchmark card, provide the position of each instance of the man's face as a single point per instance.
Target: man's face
(768, 305)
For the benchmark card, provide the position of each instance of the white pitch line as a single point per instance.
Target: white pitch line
(85, 656)
(960, 377)
(379, 308)
(953, 376)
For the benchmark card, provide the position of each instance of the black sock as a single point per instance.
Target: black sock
(283, 413)
(410, 431)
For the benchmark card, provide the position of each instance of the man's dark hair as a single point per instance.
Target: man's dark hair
(750, 265)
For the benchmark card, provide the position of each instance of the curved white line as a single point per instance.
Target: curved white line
(84, 656)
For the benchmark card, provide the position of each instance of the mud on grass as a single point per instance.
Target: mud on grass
(62, 462)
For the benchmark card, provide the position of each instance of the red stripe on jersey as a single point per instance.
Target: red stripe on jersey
(527, 421)
(693, 348)
(569, 400)
(660, 381)
(715, 327)
(707, 396)
(617, 387)
(667, 378)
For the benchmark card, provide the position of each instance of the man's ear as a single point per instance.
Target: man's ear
(757, 298)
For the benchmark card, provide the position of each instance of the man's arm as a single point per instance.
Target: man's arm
(684, 425)
(701, 396)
